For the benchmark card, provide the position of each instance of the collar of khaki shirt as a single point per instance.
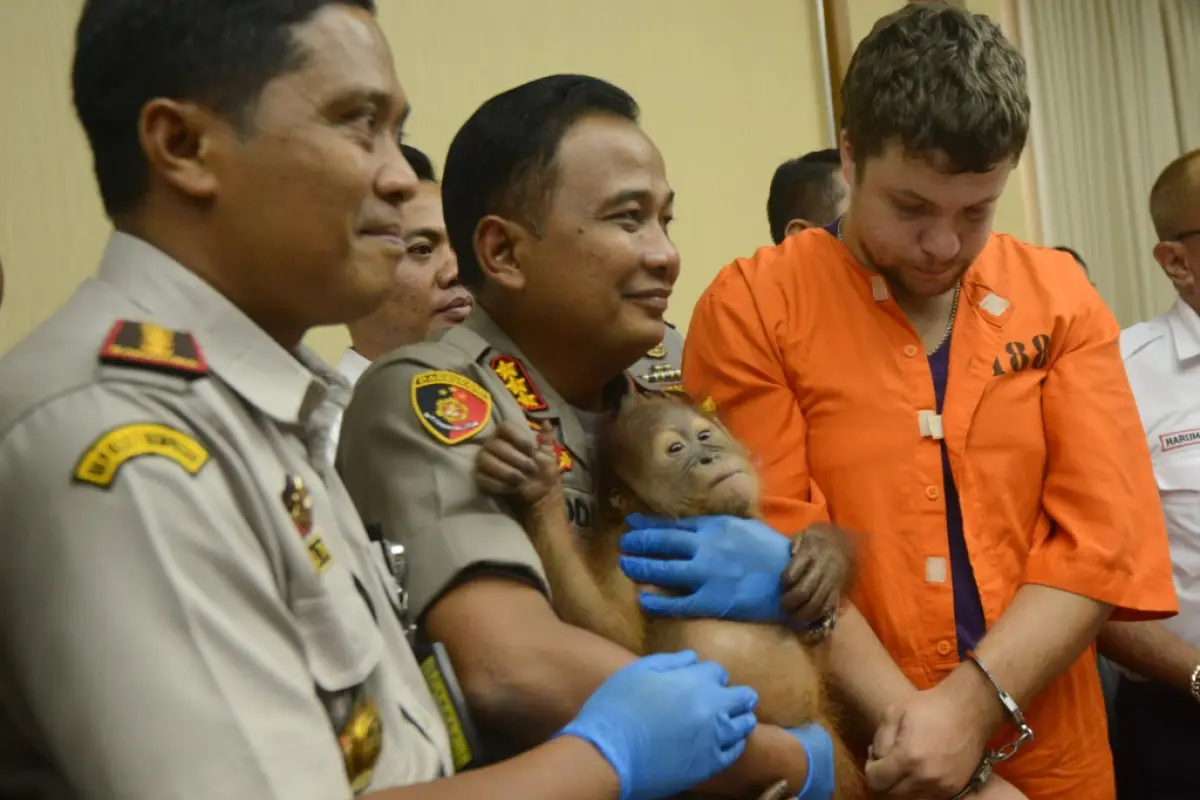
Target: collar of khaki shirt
(287, 386)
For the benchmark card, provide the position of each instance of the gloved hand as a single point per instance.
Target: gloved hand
(730, 568)
(666, 723)
(819, 748)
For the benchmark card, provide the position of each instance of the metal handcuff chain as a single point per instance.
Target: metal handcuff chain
(991, 758)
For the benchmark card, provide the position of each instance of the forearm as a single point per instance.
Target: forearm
(862, 671)
(771, 754)
(1039, 637)
(578, 598)
(525, 673)
(1152, 651)
(565, 767)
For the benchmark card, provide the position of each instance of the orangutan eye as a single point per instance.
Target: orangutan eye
(675, 448)
(704, 435)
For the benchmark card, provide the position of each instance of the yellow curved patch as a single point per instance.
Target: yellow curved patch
(101, 462)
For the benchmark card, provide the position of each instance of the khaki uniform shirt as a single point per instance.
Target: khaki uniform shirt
(413, 430)
(189, 604)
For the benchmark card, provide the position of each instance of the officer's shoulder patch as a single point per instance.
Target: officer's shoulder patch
(153, 347)
(104, 458)
(515, 377)
(564, 457)
(451, 407)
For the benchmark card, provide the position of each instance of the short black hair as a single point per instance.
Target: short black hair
(419, 162)
(502, 159)
(217, 52)
(804, 188)
(1078, 259)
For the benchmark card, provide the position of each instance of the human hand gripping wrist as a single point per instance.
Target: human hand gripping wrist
(666, 723)
(930, 744)
(722, 567)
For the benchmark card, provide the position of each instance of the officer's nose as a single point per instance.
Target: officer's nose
(395, 181)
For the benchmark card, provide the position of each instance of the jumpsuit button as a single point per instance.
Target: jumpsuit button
(910, 350)
(932, 492)
(944, 648)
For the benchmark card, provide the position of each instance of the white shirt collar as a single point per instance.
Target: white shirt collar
(352, 365)
(1185, 330)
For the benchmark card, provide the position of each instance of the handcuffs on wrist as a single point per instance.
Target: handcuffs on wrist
(1024, 733)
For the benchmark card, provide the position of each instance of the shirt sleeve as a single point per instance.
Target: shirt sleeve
(422, 491)
(732, 362)
(1108, 539)
(147, 648)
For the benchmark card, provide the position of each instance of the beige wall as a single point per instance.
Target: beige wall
(728, 90)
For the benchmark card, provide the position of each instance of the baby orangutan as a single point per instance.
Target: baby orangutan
(663, 458)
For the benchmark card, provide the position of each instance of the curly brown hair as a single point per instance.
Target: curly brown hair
(943, 83)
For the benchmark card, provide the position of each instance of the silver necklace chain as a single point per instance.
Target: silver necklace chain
(953, 303)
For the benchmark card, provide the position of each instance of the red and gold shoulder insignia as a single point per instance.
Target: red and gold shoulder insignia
(452, 408)
(153, 347)
(566, 461)
(515, 378)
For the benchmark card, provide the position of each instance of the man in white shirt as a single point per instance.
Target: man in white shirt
(427, 294)
(1157, 728)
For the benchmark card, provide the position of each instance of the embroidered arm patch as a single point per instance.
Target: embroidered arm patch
(104, 458)
(452, 408)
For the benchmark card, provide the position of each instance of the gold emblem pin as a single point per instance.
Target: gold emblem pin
(298, 502)
(361, 740)
(658, 351)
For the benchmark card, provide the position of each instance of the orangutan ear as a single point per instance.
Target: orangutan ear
(621, 502)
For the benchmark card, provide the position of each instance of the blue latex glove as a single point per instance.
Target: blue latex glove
(666, 723)
(728, 568)
(819, 748)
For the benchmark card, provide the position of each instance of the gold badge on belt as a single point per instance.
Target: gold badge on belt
(361, 739)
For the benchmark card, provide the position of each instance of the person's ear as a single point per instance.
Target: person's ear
(847, 154)
(1172, 257)
(179, 139)
(499, 246)
(797, 225)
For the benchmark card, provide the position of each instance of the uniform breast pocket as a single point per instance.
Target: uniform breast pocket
(342, 642)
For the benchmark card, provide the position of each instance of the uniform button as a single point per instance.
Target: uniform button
(910, 350)
(932, 492)
(944, 648)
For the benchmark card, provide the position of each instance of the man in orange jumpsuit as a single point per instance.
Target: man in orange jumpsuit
(956, 397)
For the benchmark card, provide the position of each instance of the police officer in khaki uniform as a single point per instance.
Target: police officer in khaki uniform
(557, 206)
(189, 604)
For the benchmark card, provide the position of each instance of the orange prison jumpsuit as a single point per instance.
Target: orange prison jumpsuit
(824, 384)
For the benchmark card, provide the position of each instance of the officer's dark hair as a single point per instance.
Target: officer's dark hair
(502, 160)
(1078, 259)
(419, 162)
(804, 188)
(217, 52)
